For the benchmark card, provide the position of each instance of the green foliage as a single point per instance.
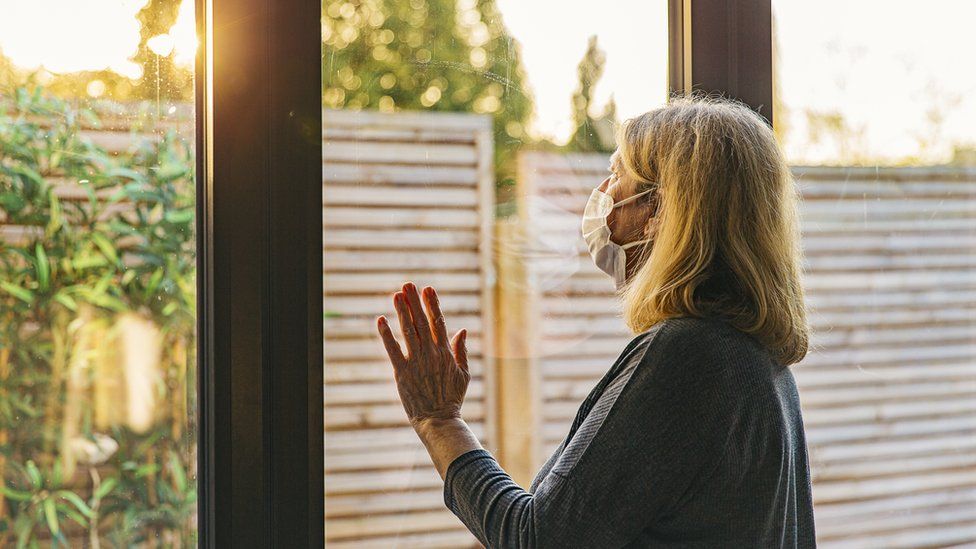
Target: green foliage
(161, 77)
(125, 245)
(439, 55)
(592, 134)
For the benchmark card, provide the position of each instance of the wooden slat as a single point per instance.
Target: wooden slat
(406, 197)
(398, 153)
(337, 173)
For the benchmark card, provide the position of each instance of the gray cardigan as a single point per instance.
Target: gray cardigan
(693, 438)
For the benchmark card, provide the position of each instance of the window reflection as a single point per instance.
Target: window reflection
(438, 113)
(97, 275)
(880, 120)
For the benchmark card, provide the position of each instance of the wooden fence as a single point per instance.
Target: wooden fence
(405, 197)
(889, 389)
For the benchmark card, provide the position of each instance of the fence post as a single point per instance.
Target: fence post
(517, 376)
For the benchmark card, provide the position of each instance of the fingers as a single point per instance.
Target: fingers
(460, 349)
(421, 325)
(391, 344)
(406, 323)
(439, 325)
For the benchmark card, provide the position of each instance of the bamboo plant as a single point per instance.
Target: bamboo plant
(97, 323)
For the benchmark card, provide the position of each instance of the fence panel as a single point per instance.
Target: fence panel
(406, 196)
(889, 387)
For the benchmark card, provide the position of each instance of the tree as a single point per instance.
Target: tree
(592, 134)
(161, 77)
(437, 55)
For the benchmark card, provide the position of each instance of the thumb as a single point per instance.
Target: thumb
(460, 350)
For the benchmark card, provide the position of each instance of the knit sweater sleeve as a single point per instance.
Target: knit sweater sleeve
(653, 431)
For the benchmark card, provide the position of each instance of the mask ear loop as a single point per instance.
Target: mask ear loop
(630, 199)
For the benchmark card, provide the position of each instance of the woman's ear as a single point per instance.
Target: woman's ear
(654, 221)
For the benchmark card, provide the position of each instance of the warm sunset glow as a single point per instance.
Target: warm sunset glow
(71, 35)
(892, 69)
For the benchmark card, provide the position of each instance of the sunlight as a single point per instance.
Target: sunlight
(102, 34)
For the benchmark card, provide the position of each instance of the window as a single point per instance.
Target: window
(877, 116)
(460, 144)
(98, 422)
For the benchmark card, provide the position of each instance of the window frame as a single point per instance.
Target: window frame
(259, 170)
(722, 47)
(259, 244)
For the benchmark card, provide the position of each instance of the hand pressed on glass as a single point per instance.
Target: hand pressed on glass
(432, 378)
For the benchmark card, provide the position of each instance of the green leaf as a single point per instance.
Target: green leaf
(88, 262)
(179, 216)
(56, 220)
(154, 281)
(28, 173)
(43, 267)
(73, 515)
(51, 514)
(106, 247)
(12, 202)
(66, 300)
(106, 488)
(79, 503)
(16, 495)
(147, 469)
(120, 171)
(179, 475)
(34, 474)
(22, 294)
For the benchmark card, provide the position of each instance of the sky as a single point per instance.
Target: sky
(886, 66)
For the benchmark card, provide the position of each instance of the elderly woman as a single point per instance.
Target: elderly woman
(693, 437)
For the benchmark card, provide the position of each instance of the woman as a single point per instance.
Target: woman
(694, 436)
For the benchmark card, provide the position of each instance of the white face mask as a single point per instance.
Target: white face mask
(609, 256)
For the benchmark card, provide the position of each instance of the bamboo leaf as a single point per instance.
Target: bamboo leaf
(34, 474)
(179, 216)
(12, 202)
(22, 294)
(79, 503)
(179, 475)
(105, 247)
(56, 219)
(43, 267)
(73, 515)
(154, 281)
(16, 495)
(106, 488)
(51, 514)
(66, 300)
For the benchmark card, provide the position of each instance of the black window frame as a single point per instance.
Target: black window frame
(722, 47)
(259, 181)
(259, 244)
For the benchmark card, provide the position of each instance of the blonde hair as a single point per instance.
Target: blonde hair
(727, 240)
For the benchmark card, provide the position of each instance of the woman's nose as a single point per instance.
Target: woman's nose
(605, 185)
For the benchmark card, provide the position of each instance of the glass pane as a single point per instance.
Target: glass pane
(461, 144)
(98, 418)
(876, 109)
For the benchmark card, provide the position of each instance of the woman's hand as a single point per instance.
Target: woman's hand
(432, 378)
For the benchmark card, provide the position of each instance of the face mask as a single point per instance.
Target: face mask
(609, 256)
